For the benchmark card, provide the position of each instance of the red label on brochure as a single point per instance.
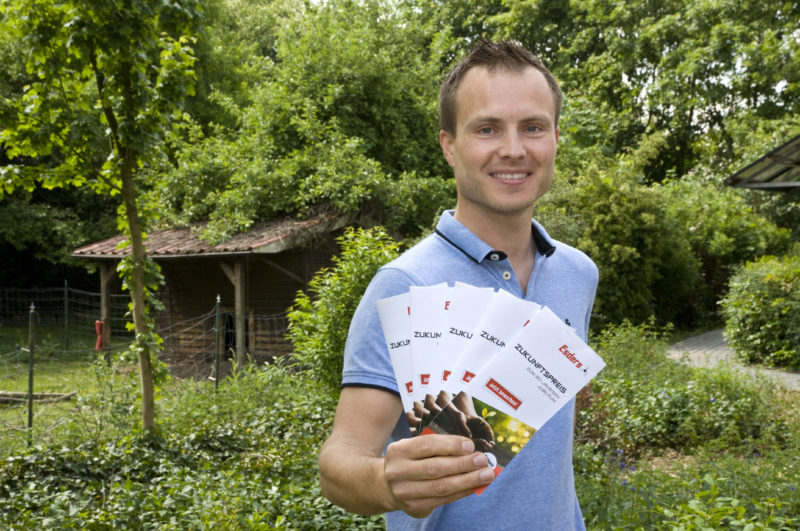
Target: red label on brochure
(503, 393)
(424, 379)
(409, 387)
(479, 490)
(446, 375)
(468, 376)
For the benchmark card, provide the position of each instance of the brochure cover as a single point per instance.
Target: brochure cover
(468, 305)
(501, 320)
(519, 389)
(394, 313)
(428, 317)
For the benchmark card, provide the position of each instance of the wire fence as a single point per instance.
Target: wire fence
(65, 321)
(48, 335)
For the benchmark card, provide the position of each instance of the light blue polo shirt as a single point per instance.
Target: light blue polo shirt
(537, 490)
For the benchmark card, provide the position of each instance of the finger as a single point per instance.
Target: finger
(399, 468)
(432, 445)
(419, 498)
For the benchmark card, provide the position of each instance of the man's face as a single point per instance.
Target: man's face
(504, 149)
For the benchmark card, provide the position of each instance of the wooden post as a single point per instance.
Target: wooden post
(240, 312)
(217, 340)
(237, 277)
(107, 272)
(66, 315)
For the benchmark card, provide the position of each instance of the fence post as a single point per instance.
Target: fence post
(66, 316)
(217, 337)
(31, 343)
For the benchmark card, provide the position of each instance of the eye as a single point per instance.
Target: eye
(532, 128)
(486, 130)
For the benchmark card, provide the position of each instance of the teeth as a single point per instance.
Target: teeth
(509, 176)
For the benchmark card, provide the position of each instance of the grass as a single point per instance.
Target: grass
(54, 371)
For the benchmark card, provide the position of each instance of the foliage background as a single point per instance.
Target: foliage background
(297, 104)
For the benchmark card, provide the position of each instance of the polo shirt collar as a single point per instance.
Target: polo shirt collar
(460, 237)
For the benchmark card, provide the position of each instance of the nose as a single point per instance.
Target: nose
(512, 146)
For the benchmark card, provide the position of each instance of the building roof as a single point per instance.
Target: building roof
(777, 170)
(268, 237)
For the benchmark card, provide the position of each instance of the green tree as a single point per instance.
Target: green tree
(682, 68)
(106, 81)
(343, 116)
(39, 230)
(646, 265)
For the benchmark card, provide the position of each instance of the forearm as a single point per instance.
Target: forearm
(353, 480)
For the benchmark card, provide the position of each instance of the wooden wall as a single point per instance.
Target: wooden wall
(271, 284)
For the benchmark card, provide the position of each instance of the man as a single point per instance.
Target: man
(498, 111)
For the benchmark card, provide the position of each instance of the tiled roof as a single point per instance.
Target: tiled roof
(265, 237)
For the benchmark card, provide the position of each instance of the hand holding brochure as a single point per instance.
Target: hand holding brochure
(513, 365)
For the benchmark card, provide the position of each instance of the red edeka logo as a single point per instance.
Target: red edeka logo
(468, 376)
(503, 393)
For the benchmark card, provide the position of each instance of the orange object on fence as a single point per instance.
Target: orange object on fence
(98, 327)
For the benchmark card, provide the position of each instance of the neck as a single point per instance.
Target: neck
(511, 234)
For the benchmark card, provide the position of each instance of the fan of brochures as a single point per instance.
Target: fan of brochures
(482, 363)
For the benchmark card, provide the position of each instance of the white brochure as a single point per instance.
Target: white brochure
(538, 372)
(520, 389)
(503, 318)
(429, 306)
(394, 315)
(467, 307)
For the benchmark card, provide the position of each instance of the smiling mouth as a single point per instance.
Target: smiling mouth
(515, 176)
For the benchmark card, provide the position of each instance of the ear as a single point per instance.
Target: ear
(446, 142)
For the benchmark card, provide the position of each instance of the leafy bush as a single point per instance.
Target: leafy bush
(722, 231)
(243, 457)
(644, 402)
(709, 509)
(646, 266)
(319, 322)
(762, 311)
(701, 492)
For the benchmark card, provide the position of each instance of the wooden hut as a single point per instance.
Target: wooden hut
(256, 275)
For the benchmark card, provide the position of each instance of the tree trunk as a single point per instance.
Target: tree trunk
(143, 346)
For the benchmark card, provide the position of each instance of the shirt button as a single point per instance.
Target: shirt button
(507, 275)
(494, 257)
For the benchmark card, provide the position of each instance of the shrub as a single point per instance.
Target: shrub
(722, 231)
(644, 401)
(646, 266)
(318, 323)
(242, 457)
(704, 492)
(762, 311)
